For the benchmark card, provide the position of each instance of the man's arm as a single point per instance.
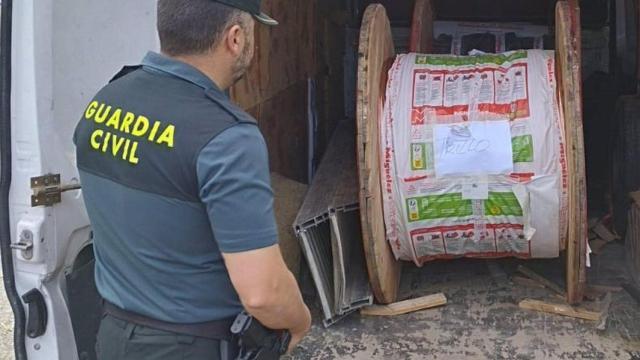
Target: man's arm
(234, 182)
(269, 291)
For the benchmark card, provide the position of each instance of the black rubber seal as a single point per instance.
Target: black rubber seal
(5, 181)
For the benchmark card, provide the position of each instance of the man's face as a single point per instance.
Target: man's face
(244, 60)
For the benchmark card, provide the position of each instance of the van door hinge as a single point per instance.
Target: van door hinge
(47, 190)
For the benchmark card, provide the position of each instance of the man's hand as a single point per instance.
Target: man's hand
(298, 334)
(268, 291)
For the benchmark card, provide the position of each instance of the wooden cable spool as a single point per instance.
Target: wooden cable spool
(421, 40)
(376, 54)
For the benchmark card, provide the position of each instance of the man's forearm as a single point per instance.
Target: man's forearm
(284, 308)
(268, 290)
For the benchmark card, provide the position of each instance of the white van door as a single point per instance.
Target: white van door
(62, 52)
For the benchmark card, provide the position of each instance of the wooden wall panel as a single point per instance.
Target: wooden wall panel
(285, 54)
(283, 122)
(275, 90)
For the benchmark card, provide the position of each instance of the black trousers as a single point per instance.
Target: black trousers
(122, 340)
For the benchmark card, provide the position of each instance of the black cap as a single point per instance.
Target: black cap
(252, 7)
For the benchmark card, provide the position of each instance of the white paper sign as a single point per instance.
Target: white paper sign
(473, 148)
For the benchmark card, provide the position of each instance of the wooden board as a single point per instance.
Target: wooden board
(275, 88)
(421, 40)
(405, 307)
(568, 52)
(284, 54)
(376, 51)
(523, 281)
(604, 233)
(543, 281)
(283, 122)
(632, 241)
(560, 309)
(604, 288)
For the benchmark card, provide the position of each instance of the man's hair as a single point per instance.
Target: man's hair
(188, 27)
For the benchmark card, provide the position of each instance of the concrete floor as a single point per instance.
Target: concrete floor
(6, 326)
(482, 319)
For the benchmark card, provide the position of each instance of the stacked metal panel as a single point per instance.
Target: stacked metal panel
(328, 227)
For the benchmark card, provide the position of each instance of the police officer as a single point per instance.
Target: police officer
(176, 184)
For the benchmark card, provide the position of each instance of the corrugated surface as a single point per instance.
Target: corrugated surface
(328, 225)
(316, 246)
(356, 290)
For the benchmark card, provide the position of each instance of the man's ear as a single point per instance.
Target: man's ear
(235, 40)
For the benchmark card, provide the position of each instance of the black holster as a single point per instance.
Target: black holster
(257, 342)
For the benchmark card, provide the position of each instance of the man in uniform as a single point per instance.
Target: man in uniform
(176, 183)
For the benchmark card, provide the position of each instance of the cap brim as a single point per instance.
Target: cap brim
(266, 19)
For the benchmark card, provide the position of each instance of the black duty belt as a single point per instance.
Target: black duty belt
(215, 330)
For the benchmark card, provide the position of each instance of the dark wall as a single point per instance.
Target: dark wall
(399, 11)
(594, 12)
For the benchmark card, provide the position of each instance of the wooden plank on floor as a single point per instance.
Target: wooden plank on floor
(560, 309)
(604, 233)
(604, 288)
(543, 281)
(523, 281)
(405, 307)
